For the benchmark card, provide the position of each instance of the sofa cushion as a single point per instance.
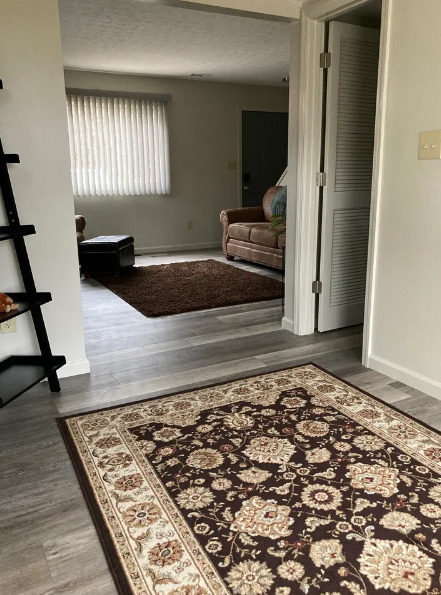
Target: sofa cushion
(258, 233)
(262, 234)
(240, 231)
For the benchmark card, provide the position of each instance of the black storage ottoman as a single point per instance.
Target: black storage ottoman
(106, 255)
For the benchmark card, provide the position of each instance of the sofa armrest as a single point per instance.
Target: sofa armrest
(80, 224)
(244, 215)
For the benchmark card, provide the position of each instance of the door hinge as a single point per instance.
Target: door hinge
(325, 60)
(317, 287)
(321, 179)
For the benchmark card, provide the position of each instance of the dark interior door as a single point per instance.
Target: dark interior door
(264, 153)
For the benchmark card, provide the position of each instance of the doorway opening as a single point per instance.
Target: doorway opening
(264, 153)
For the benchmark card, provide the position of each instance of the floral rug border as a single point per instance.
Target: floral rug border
(92, 496)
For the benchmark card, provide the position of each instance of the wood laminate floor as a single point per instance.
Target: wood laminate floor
(48, 544)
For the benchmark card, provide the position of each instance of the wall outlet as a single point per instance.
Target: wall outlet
(10, 326)
(430, 145)
(189, 225)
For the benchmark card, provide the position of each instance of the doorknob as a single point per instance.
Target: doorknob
(246, 179)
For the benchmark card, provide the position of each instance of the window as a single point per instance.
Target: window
(118, 146)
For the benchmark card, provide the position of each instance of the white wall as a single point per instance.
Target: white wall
(33, 123)
(406, 320)
(204, 123)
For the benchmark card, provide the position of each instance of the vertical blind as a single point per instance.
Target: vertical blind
(118, 146)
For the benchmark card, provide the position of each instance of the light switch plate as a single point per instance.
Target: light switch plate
(430, 145)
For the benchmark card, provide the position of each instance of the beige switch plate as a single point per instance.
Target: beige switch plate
(430, 145)
(232, 164)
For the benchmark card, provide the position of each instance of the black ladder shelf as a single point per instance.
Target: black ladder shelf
(18, 373)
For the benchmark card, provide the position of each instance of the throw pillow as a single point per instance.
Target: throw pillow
(278, 205)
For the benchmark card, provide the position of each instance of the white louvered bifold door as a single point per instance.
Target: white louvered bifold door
(349, 146)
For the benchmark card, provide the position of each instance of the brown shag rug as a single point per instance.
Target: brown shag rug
(164, 289)
(292, 482)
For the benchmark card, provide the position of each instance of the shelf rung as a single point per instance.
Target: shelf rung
(12, 158)
(18, 373)
(9, 232)
(25, 303)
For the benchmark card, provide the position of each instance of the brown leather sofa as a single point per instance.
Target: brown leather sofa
(80, 224)
(247, 234)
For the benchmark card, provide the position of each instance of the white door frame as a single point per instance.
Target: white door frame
(304, 257)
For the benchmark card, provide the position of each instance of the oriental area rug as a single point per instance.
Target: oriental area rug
(288, 482)
(164, 289)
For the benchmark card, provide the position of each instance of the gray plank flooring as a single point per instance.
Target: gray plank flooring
(48, 544)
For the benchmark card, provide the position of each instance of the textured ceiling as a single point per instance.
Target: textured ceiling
(128, 36)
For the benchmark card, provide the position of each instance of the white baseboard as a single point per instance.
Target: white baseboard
(288, 324)
(74, 369)
(409, 377)
(177, 248)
